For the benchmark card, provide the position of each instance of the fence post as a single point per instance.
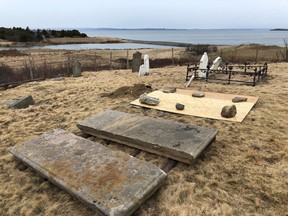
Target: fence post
(127, 63)
(110, 60)
(257, 52)
(45, 68)
(30, 68)
(68, 63)
(172, 56)
(95, 63)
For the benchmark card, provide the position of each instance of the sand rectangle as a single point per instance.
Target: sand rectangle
(109, 182)
(179, 141)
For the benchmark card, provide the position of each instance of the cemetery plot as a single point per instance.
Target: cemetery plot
(111, 183)
(209, 106)
(179, 141)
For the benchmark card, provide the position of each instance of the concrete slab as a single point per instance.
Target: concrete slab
(179, 141)
(110, 182)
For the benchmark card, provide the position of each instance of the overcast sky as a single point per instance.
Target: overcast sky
(189, 14)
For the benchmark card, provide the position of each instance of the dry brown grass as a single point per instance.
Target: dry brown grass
(243, 173)
(85, 40)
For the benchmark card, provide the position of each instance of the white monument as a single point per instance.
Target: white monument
(144, 68)
(216, 63)
(203, 65)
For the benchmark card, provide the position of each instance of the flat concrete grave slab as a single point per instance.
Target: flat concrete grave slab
(179, 141)
(110, 182)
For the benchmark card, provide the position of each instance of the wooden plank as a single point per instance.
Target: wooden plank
(179, 141)
(209, 106)
(109, 182)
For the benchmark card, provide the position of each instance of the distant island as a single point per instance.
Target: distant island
(279, 29)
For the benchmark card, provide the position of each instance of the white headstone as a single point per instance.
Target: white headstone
(216, 63)
(146, 63)
(144, 68)
(203, 65)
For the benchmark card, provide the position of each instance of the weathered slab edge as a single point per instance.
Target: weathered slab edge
(183, 157)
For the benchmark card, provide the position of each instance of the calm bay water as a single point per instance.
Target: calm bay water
(196, 36)
(89, 46)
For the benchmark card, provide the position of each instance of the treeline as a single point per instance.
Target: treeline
(17, 34)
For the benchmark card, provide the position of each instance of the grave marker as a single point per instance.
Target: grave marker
(136, 61)
(76, 68)
(179, 141)
(109, 182)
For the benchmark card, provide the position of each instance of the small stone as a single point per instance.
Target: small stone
(58, 79)
(180, 106)
(239, 99)
(198, 94)
(169, 90)
(145, 99)
(229, 111)
(23, 102)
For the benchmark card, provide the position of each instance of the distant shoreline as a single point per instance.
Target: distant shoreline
(91, 40)
(279, 29)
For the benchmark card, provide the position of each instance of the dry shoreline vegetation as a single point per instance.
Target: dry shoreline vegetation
(244, 172)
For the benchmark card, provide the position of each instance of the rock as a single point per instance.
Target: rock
(180, 106)
(169, 90)
(58, 79)
(23, 102)
(229, 111)
(239, 99)
(145, 99)
(198, 94)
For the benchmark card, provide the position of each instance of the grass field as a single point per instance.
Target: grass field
(244, 172)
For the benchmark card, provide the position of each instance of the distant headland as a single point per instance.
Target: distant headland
(279, 29)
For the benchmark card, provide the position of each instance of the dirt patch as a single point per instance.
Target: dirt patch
(129, 91)
(13, 52)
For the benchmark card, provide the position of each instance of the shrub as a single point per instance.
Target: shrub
(201, 48)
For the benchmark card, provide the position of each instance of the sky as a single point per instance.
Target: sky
(179, 14)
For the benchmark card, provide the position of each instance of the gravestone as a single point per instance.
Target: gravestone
(144, 68)
(146, 63)
(76, 68)
(109, 182)
(203, 65)
(136, 61)
(175, 140)
(216, 63)
(22, 103)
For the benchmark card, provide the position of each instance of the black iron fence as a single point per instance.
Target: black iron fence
(245, 74)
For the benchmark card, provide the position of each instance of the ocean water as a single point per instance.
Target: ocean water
(196, 36)
(193, 36)
(112, 46)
